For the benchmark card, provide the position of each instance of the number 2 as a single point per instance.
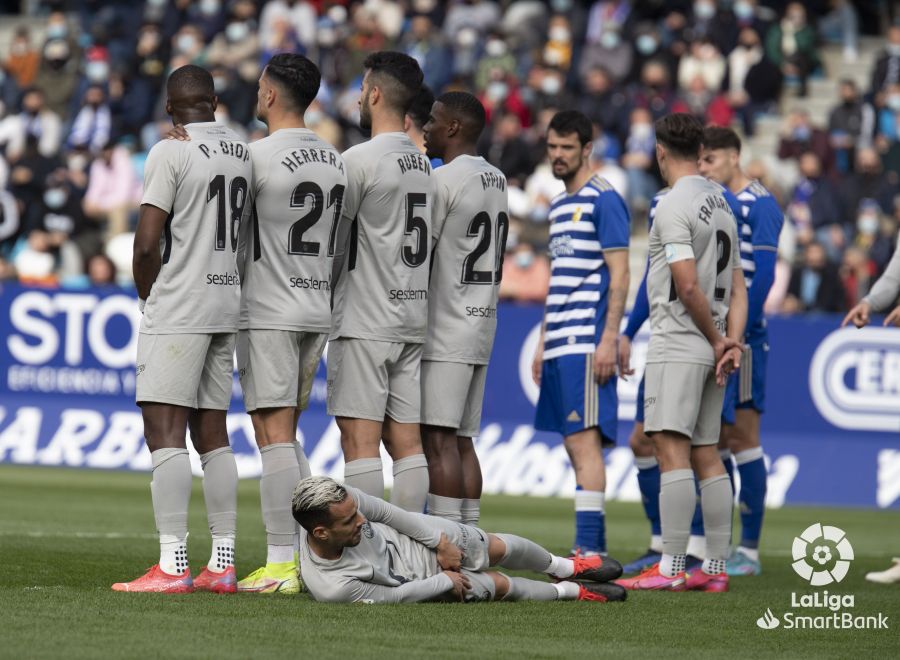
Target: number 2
(301, 193)
(480, 226)
(723, 246)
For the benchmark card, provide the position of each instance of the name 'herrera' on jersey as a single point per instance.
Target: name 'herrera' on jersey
(299, 157)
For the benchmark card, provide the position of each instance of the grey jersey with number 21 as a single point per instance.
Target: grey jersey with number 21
(694, 221)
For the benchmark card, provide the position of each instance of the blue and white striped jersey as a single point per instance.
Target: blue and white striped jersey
(583, 225)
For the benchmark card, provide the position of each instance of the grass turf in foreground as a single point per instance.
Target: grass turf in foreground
(67, 535)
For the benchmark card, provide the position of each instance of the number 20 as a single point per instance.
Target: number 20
(481, 227)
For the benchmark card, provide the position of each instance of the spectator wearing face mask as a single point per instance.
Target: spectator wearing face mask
(478, 15)
(502, 95)
(750, 93)
(875, 233)
(815, 209)
(188, 47)
(236, 44)
(868, 183)
(208, 16)
(300, 15)
(111, 192)
(791, 45)
(639, 161)
(851, 125)
(648, 47)
(611, 51)
(704, 61)
(749, 14)
(57, 76)
(604, 104)
(709, 23)
(607, 16)
(428, 47)
(93, 123)
(496, 61)
(40, 122)
(815, 284)
(23, 59)
(799, 136)
(655, 93)
(507, 150)
(887, 67)
(526, 275)
(558, 49)
(841, 26)
(547, 89)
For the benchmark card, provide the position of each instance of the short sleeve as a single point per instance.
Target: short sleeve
(440, 208)
(766, 220)
(356, 183)
(735, 249)
(612, 220)
(672, 222)
(161, 175)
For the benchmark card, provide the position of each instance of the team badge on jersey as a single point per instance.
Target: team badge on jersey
(577, 215)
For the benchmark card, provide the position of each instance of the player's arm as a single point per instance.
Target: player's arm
(146, 260)
(415, 591)
(353, 195)
(605, 355)
(415, 525)
(737, 323)
(537, 362)
(883, 294)
(765, 221)
(640, 312)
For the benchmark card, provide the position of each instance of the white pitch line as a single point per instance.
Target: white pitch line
(38, 534)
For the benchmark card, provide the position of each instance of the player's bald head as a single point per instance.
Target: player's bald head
(466, 109)
(190, 88)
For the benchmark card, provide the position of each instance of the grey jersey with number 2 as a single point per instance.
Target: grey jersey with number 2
(693, 221)
(204, 185)
(470, 219)
(298, 188)
(382, 287)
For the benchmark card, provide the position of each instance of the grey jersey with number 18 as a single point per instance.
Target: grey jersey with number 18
(298, 188)
(470, 223)
(382, 287)
(203, 184)
(694, 221)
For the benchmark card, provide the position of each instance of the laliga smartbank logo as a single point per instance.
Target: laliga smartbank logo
(822, 556)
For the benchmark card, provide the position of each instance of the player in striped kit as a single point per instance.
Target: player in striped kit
(760, 223)
(575, 363)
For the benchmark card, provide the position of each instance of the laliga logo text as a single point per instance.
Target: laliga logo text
(870, 400)
(822, 555)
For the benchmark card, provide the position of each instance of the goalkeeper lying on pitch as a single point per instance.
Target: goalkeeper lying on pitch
(359, 548)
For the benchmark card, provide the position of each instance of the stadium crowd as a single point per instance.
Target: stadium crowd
(82, 101)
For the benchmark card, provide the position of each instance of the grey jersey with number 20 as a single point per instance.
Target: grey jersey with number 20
(470, 225)
(382, 287)
(692, 221)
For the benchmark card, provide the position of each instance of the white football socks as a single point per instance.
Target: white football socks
(173, 554)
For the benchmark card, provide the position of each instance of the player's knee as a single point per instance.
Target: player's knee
(585, 445)
(402, 440)
(438, 442)
(641, 445)
(501, 585)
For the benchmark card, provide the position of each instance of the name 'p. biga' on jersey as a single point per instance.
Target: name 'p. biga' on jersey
(583, 225)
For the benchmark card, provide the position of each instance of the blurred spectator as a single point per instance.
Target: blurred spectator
(841, 26)
(235, 47)
(208, 16)
(101, 271)
(507, 150)
(887, 68)
(300, 16)
(558, 50)
(607, 16)
(501, 95)
(874, 235)
(639, 160)
(12, 135)
(815, 285)
(40, 122)
(24, 59)
(526, 275)
(93, 123)
(57, 75)
(28, 173)
(427, 45)
(704, 61)
(869, 182)
(709, 22)
(605, 104)
(112, 191)
(851, 126)
(754, 83)
(791, 45)
(708, 106)
(799, 136)
(481, 16)
(655, 91)
(496, 63)
(749, 14)
(611, 51)
(857, 275)
(547, 90)
(648, 46)
(324, 126)
(188, 46)
(814, 207)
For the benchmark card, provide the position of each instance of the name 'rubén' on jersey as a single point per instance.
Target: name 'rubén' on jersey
(583, 225)
(298, 190)
(204, 186)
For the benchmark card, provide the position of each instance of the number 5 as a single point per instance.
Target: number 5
(414, 257)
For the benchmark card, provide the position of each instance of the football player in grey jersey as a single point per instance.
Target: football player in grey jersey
(698, 310)
(185, 268)
(470, 223)
(381, 290)
(356, 548)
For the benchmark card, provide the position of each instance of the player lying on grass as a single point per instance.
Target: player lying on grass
(358, 548)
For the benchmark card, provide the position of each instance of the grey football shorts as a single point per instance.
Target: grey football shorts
(683, 398)
(190, 370)
(370, 379)
(277, 367)
(452, 396)
(473, 541)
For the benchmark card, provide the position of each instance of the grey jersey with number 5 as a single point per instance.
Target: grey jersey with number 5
(470, 223)
(382, 287)
(298, 189)
(204, 185)
(693, 218)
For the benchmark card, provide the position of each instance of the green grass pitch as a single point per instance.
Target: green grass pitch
(66, 535)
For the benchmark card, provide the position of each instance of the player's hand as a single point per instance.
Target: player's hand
(537, 363)
(625, 368)
(178, 132)
(449, 555)
(724, 345)
(859, 315)
(731, 360)
(461, 584)
(893, 318)
(605, 361)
